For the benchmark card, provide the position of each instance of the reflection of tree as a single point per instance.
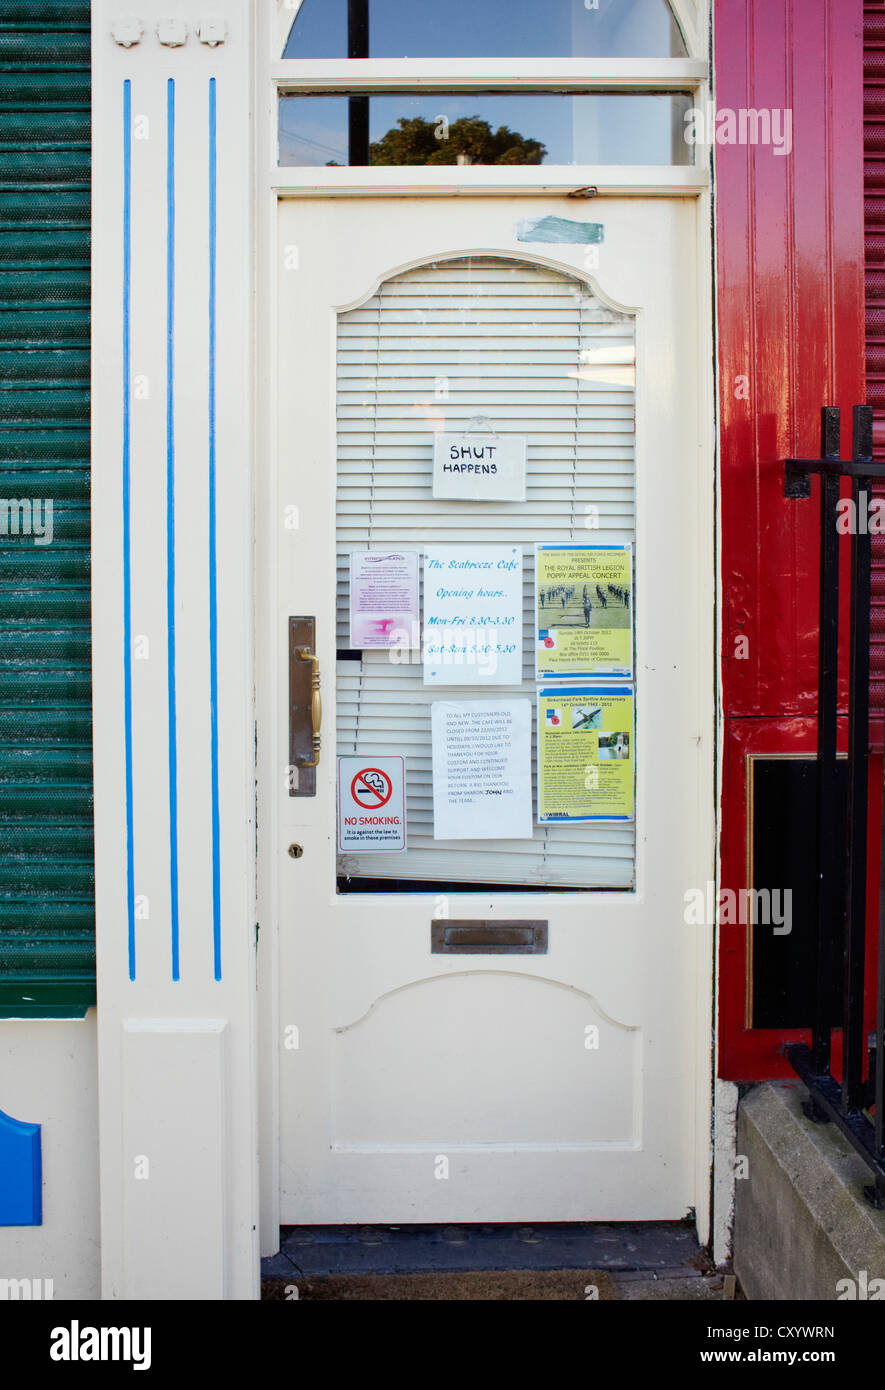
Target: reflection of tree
(415, 141)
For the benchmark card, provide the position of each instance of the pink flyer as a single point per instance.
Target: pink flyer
(384, 598)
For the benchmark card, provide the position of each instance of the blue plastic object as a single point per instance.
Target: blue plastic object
(21, 1173)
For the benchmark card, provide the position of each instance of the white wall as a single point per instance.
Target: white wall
(48, 1077)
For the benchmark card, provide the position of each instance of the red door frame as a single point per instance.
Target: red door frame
(790, 339)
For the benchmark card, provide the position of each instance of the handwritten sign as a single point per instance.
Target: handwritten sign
(482, 769)
(479, 467)
(473, 615)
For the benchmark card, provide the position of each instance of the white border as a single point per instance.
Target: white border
(275, 184)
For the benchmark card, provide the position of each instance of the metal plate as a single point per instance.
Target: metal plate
(482, 937)
(783, 828)
(302, 780)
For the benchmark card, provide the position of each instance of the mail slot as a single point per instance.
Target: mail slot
(480, 937)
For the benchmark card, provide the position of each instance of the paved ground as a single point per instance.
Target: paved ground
(605, 1261)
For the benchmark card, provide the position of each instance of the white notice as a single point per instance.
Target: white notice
(473, 615)
(479, 467)
(371, 803)
(482, 770)
(383, 598)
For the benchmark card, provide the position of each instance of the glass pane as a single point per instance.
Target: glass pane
(537, 128)
(537, 354)
(492, 29)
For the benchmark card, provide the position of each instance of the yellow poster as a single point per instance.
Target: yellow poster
(585, 753)
(583, 612)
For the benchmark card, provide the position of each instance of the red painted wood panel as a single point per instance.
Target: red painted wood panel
(874, 221)
(790, 338)
(790, 321)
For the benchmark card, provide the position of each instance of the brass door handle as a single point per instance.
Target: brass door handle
(316, 706)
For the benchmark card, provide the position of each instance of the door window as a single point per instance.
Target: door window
(533, 351)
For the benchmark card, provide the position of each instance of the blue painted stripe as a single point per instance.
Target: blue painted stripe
(614, 673)
(170, 517)
(127, 538)
(213, 574)
(557, 691)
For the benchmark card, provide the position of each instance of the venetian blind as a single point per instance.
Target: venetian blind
(534, 352)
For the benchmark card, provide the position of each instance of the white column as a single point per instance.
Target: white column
(172, 442)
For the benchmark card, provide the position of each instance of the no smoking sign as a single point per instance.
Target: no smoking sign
(371, 804)
(371, 788)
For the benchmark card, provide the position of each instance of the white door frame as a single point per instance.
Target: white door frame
(273, 184)
(171, 449)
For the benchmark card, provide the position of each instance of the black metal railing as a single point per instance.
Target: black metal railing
(855, 1102)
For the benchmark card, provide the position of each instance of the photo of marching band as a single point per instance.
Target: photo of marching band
(588, 605)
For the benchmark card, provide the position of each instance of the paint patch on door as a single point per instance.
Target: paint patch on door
(559, 229)
(21, 1173)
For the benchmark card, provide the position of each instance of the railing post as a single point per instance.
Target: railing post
(853, 1033)
(876, 1194)
(827, 697)
(844, 1104)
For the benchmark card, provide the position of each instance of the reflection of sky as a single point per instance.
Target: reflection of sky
(491, 28)
(608, 129)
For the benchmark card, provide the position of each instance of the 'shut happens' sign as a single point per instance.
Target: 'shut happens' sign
(479, 467)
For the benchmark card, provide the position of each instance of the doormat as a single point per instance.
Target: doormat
(563, 1285)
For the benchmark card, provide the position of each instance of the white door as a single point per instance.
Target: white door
(569, 1085)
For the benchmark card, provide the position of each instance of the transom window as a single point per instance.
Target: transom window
(476, 128)
(485, 29)
(484, 82)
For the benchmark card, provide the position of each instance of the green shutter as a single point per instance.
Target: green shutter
(47, 909)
